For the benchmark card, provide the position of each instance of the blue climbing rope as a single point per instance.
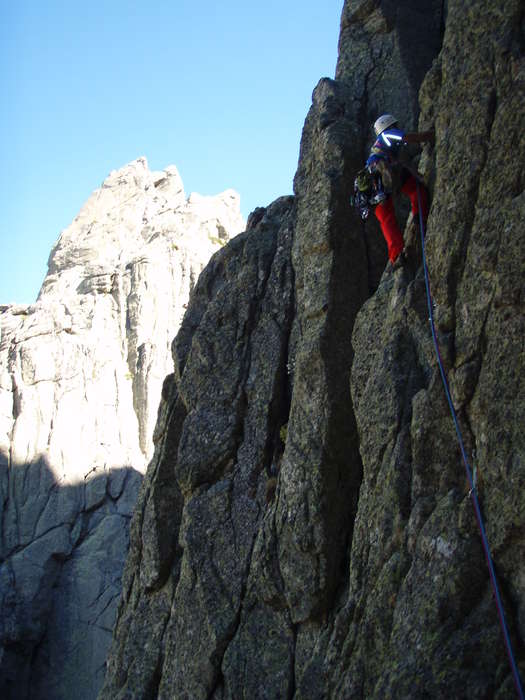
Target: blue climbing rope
(473, 494)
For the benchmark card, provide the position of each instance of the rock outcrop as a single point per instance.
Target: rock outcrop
(305, 528)
(81, 373)
(427, 612)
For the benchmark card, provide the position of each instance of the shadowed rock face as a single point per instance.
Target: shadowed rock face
(60, 582)
(81, 372)
(221, 420)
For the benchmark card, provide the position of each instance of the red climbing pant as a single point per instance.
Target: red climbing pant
(386, 216)
(410, 189)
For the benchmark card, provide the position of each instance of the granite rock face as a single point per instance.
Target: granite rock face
(419, 619)
(81, 373)
(305, 529)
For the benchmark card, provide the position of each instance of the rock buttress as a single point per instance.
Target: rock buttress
(218, 446)
(419, 619)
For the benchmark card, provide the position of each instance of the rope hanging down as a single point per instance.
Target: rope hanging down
(473, 494)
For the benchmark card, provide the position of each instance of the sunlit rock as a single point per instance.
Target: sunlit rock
(81, 373)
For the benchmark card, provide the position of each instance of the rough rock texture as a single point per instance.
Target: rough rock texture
(81, 372)
(305, 528)
(357, 571)
(220, 422)
(385, 49)
(418, 619)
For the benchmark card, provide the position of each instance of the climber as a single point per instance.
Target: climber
(384, 157)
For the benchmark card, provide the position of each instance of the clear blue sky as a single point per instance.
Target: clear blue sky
(219, 89)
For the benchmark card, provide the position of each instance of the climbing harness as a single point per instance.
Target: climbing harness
(472, 493)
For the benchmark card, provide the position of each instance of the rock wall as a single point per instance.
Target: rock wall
(305, 529)
(81, 372)
(418, 617)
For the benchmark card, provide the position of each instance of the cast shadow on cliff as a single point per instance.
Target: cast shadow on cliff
(62, 552)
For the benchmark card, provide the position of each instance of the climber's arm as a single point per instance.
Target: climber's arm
(420, 137)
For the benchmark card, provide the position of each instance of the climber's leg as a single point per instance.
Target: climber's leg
(386, 216)
(409, 188)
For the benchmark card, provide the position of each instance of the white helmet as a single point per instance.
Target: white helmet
(383, 122)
